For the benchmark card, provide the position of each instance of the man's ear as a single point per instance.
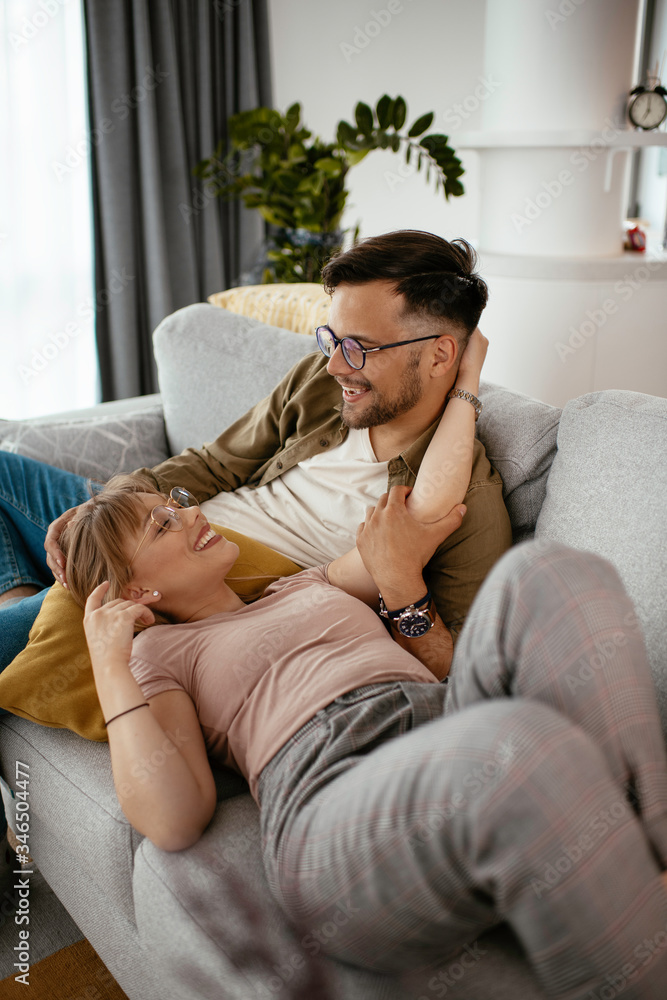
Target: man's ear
(445, 355)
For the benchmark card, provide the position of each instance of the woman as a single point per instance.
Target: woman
(429, 839)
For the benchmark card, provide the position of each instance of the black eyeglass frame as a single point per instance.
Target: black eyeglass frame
(358, 346)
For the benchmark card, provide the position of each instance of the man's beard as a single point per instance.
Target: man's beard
(381, 411)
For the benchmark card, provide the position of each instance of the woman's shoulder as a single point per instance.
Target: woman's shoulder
(297, 581)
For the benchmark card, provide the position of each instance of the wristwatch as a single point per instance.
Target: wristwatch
(413, 620)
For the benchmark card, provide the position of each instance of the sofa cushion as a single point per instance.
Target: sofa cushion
(72, 791)
(606, 493)
(519, 435)
(96, 445)
(207, 918)
(300, 306)
(201, 348)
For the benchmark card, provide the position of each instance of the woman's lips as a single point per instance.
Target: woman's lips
(206, 530)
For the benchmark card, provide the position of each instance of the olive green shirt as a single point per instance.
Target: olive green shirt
(301, 418)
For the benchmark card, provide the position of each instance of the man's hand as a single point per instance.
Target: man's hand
(395, 547)
(109, 628)
(55, 557)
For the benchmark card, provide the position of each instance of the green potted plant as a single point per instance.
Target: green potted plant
(297, 181)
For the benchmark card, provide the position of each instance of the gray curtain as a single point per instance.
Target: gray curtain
(163, 77)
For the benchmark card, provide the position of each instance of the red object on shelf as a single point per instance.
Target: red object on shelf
(635, 239)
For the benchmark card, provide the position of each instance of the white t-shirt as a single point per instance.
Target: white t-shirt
(311, 513)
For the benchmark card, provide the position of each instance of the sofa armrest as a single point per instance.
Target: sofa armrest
(97, 442)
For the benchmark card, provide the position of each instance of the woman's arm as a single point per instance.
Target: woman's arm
(444, 474)
(161, 772)
(442, 482)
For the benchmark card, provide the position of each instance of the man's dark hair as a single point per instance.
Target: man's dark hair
(436, 277)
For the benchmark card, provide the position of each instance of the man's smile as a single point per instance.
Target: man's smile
(351, 392)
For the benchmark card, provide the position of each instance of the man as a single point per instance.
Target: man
(298, 471)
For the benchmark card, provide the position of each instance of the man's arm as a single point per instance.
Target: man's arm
(234, 458)
(461, 563)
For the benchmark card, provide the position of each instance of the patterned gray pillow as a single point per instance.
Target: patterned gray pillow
(94, 446)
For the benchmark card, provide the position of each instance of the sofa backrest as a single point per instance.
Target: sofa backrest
(519, 435)
(213, 365)
(607, 492)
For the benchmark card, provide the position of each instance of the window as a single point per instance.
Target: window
(46, 252)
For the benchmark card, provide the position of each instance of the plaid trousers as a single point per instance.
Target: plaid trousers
(405, 819)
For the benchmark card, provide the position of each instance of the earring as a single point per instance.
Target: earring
(156, 593)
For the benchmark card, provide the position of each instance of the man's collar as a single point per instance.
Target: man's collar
(414, 453)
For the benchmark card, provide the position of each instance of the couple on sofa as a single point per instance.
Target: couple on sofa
(520, 766)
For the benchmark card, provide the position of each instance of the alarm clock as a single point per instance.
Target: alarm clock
(647, 108)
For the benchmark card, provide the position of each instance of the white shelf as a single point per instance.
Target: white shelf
(585, 269)
(548, 139)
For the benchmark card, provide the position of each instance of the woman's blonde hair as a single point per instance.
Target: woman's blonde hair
(93, 541)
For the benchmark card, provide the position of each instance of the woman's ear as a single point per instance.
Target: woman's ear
(142, 595)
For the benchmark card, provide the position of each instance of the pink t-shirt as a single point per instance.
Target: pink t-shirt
(258, 674)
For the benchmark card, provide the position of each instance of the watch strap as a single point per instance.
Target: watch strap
(415, 606)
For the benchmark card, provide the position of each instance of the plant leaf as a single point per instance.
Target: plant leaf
(364, 118)
(384, 111)
(356, 156)
(421, 125)
(346, 134)
(399, 113)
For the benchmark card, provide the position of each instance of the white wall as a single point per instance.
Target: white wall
(430, 51)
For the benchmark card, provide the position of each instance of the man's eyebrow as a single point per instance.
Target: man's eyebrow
(361, 337)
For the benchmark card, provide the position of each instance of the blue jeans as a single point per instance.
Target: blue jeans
(32, 495)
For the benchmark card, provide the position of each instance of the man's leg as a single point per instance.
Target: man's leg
(32, 495)
(555, 625)
(502, 812)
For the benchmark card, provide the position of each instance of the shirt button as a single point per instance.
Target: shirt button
(279, 465)
(324, 442)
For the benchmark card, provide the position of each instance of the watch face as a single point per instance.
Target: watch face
(414, 624)
(648, 110)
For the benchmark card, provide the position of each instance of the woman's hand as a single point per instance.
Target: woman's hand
(394, 546)
(55, 557)
(471, 362)
(109, 627)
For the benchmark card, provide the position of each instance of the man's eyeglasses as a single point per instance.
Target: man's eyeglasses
(353, 352)
(165, 515)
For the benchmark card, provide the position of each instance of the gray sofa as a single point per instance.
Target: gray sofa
(199, 923)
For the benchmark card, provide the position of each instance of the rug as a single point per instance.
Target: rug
(75, 971)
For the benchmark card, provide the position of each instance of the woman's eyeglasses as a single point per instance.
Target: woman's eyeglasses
(166, 517)
(353, 352)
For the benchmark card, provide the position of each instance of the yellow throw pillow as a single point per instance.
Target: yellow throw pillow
(300, 307)
(51, 682)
